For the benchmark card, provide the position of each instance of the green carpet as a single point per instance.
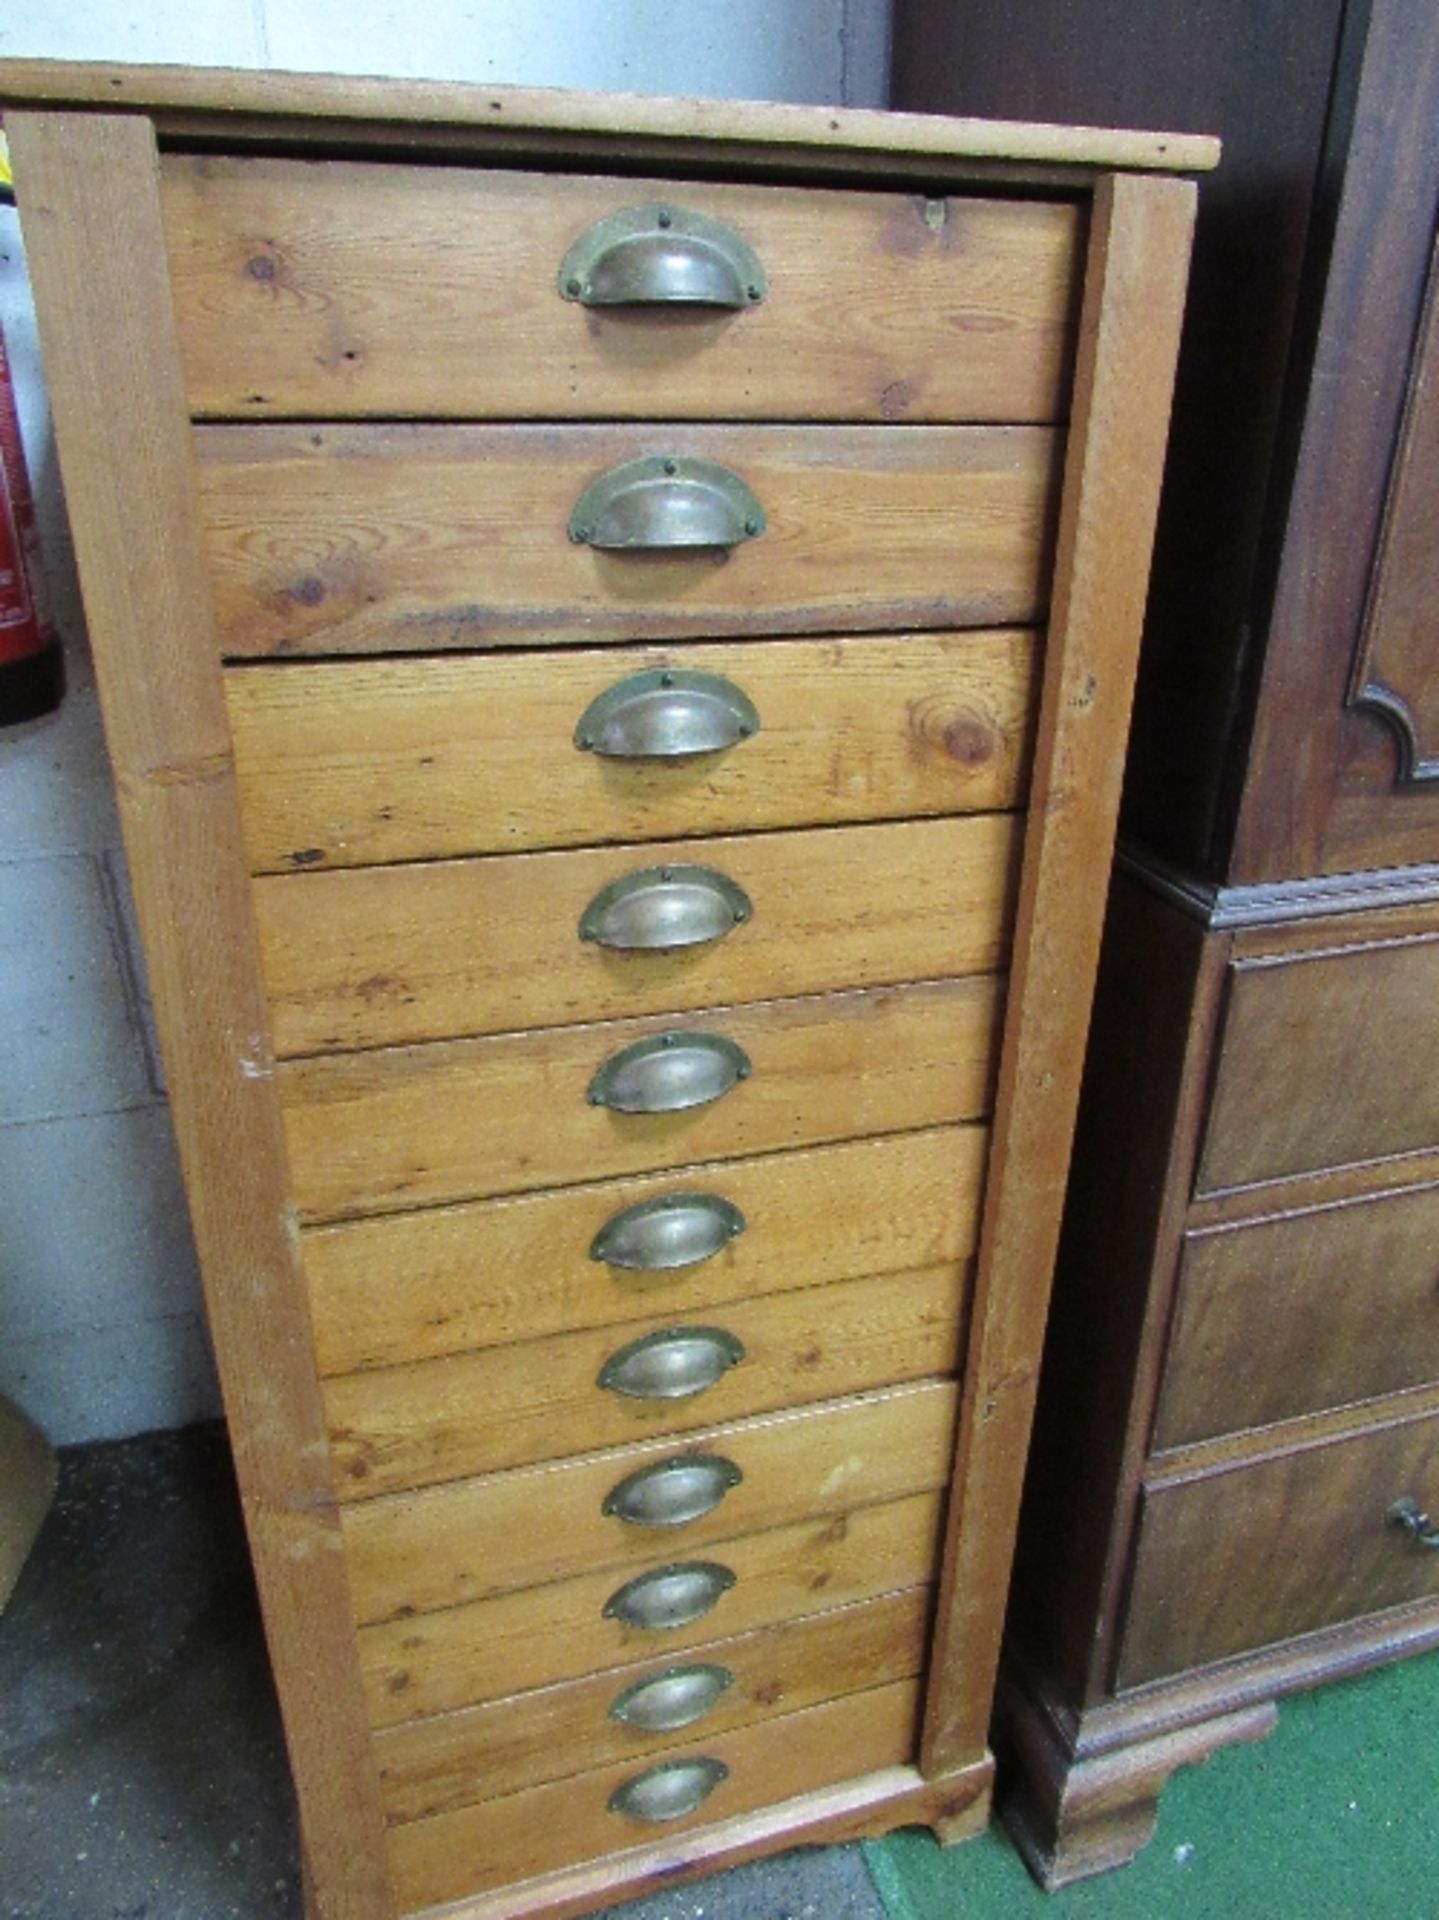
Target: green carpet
(1334, 1817)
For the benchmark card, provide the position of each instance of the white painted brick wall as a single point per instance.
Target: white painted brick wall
(101, 1328)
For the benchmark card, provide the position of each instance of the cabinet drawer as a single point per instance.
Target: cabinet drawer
(398, 1427)
(409, 1126)
(1243, 1556)
(471, 1538)
(401, 539)
(497, 1841)
(1291, 1316)
(1327, 1058)
(479, 1753)
(442, 1280)
(879, 306)
(356, 762)
(431, 1663)
(392, 955)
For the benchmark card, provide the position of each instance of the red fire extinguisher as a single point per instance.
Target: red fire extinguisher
(32, 674)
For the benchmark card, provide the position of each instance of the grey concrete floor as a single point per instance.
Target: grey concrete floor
(142, 1774)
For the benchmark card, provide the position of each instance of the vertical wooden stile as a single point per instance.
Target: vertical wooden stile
(93, 238)
(1129, 340)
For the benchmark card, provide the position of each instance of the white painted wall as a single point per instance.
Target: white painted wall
(101, 1328)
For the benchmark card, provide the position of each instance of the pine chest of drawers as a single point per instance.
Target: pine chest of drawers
(615, 622)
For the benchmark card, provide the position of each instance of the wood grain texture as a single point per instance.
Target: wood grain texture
(413, 1126)
(955, 1808)
(446, 1279)
(423, 106)
(432, 1663)
(1310, 1310)
(404, 539)
(410, 1426)
(91, 213)
(354, 762)
(461, 1542)
(496, 1842)
(1159, 986)
(1262, 76)
(428, 1766)
(1244, 1556)
(1393, 668)
(1327, 1057)
(954, 310)
(1134, 297)
(389, 956)
(1318, 793)
(1074, 1813)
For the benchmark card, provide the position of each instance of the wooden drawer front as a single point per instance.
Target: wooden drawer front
(412, 539)
(880, 306)
(495, 1842)
(356, 762)
(446, 1279)
(1291, 1316)
(397, 1427)
(471, 1538)
(479, 1753)
(434, 1662)
(1244, 1556)
(410, 1126)
(1326, 1059)
(392, 955)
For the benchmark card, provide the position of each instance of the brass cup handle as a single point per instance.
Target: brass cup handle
(660, 909)
(668, 1073)
(666, 713)
(674, 1364)
(657, 255)
(671, 1493)
(677, 1698)
(662, 502)
(669, 1791)
(1411, 1517)
(674, 1596)
(673, 1230)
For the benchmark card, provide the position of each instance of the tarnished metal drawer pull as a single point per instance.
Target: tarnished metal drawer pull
(666, 713)
(673, 1230)
(659, 909)
(671, 1493)
(670, 1790)
(669, 1072)
(662, 256)
(1408, 1514)
(674, 1596)
(673, 1364)
(662, 501)
(670, 1700)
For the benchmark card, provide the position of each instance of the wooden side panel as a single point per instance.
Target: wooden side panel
(415, 539)
(434, 950)
(429, 1766)
(433, 1662)
(461, 1542)
(352, 762)
(1327, 1058)
(398, 1427)
(499, 1841)
(954, 309)
(1311, 1310)
(92, 230)
(412, 1126)
(1129, 341)
(1244, 1556)
(417, 1285)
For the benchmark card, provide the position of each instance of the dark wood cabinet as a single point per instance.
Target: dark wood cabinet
(1237, 1442)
